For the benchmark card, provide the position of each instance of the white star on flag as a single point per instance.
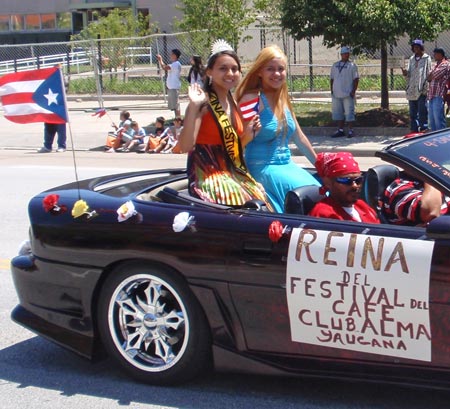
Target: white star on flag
(51, 97)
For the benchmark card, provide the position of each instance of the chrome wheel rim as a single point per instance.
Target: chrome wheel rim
(148, 322)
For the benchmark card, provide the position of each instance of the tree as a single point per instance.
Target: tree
(366, 24)
(226, 19)
(119, 23)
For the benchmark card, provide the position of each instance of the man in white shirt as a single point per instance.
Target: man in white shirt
(173, 81)
(344, 79)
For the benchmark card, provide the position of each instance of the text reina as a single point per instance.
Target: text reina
(371, 252)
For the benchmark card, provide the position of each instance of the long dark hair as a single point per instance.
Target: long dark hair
(197, 68)
(212, 60)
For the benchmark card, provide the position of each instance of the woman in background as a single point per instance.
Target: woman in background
(196, 73)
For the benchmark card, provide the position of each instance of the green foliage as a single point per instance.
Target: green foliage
(367, 24)
(119, 23)
(226, 19)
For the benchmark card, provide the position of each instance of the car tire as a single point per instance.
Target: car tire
(152, 325)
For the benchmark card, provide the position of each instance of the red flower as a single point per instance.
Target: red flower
(50, 201)
(50, 204)
(276, 231)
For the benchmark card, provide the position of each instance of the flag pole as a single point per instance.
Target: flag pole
(63, 87)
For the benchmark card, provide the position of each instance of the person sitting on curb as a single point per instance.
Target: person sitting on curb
(342, 179)
(155, 142)
(137, 136)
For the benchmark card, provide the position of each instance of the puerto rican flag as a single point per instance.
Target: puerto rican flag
(250, 108)
(34, 96)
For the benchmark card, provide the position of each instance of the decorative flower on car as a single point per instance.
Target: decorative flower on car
(277, 230)
(183, 220)
(126, 211)
(81, 208)
(51, 205)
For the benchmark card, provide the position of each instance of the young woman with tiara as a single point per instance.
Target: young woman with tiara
(264, 90)
(214, 134)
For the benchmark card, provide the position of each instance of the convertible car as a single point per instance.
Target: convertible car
(170, 286)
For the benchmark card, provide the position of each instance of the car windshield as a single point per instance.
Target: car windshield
(430, 154)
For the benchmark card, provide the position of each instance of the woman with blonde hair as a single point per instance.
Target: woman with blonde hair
(263, 94)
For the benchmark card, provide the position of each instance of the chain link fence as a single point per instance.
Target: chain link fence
(128, 66)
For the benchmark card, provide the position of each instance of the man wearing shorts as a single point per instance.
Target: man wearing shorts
(173, 81)
(344, 79)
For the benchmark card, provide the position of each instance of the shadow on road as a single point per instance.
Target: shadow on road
(40, 364)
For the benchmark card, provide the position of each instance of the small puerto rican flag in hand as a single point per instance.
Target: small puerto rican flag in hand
(249, 108)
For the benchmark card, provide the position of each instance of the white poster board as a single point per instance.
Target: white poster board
(360, 292)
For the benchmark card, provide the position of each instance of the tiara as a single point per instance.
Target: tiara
(220, 45)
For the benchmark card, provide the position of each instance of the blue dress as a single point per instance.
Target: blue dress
(269, 161)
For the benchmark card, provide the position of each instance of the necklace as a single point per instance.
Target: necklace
(342, 66)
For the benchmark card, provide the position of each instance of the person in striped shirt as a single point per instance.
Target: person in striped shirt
(413, 203)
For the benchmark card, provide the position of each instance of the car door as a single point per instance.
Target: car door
(337, 289)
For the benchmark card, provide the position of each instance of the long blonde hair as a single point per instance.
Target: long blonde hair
(252, 82)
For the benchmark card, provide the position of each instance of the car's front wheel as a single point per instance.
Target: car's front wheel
(152, 325)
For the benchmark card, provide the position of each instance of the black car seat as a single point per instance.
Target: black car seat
(376, 180)
(302, 199)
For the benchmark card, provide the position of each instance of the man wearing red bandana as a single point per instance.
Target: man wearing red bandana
(342, 178)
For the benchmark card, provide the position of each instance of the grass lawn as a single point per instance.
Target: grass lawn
(319, 114)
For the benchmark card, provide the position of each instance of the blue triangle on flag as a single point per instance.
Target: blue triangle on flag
(49, 95)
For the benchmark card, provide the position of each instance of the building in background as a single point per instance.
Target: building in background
(41, 21)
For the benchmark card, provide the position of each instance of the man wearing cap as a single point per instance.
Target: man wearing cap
(417, 86)
(437, 79)
(342, 178)
(344, 79)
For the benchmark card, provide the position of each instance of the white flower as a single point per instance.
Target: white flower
(126, 211)
(181, 221)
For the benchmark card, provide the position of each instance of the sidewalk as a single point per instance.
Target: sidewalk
(89, 132)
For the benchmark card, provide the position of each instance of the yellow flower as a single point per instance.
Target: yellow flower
(79, 208)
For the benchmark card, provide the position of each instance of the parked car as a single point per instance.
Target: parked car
(169, 285)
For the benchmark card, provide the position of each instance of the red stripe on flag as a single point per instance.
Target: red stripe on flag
(31, 75)
(40, 117)
(18, 98)
(249, 108)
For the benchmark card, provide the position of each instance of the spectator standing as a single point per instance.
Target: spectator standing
(197, 71)
(173, 81)
(417, 86)
(344, 80)
(50, 130)
(437, 79)
(342, 178)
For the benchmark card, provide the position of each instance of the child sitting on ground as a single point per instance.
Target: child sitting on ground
(172, 140)
(155, 140)
(115, 140)
(133, 138)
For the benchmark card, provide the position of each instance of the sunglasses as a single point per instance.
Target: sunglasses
(349, 181)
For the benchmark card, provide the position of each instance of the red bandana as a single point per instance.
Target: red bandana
(334, 164)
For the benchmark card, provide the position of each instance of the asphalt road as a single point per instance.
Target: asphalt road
(35, 373)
